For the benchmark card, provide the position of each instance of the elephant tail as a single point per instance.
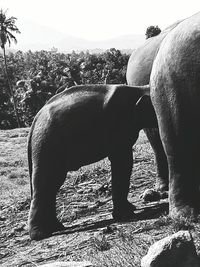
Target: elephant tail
(30, 159)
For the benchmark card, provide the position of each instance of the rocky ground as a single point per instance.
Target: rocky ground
(84, 206)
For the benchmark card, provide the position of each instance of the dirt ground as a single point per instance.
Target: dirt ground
(84, 206)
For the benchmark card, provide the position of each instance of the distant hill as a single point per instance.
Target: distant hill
(121, 42)
(37, 37)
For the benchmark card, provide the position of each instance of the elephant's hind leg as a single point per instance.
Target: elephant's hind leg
(47, 178)
(180, 138)
(184, 196)
(162, 180)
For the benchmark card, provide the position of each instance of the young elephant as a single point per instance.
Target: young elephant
(79, 126)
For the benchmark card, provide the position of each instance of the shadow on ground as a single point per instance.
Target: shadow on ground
(147, 212)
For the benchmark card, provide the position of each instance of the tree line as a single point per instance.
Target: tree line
(37, 76)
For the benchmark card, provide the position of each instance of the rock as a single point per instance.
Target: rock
(150, 195)
(19, 228)
(177, 250)
(2, 218)
(109, 229)
(68, 264)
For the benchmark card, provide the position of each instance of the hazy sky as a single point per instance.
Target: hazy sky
(100, 19)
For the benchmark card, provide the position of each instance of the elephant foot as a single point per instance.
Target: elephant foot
(124, 213)
(183, 211)
(39, 232)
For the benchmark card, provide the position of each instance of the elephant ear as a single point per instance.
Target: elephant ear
(145, 113)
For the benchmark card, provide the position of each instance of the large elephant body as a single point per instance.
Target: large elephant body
(79, 126)
(175, 93)
(138, 73)
(141, 60)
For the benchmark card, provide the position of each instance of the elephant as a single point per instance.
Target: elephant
(79, 126)
(138, 73)
(175, 95)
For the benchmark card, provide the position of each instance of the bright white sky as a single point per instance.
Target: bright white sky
(100, 19)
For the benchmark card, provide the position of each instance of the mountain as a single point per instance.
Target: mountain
(39, 37)
(121, 42)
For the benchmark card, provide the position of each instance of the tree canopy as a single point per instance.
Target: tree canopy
(152, 31)
(37, 76)
(7, 27)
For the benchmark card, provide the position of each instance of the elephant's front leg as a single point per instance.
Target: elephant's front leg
(121, 166)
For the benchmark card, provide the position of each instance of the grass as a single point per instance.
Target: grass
(84, 206)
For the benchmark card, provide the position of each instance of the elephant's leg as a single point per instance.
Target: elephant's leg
(47, 178)
(184, 172)
(162, 179)
(180, 138)
(121, 166)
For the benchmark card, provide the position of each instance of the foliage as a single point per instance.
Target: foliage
(7, 27)
(37, 76)
(100, 242)
(152, 31)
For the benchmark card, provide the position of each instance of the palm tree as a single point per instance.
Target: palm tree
(7, 26)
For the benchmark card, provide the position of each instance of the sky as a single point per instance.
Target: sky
(100, 19)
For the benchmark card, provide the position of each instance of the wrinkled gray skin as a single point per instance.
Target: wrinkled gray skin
(175, 93)
(138, 73)
(79, 126)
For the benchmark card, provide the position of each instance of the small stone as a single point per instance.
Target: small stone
(109, 229)
(21, 227)
(150, 195)
(80, 191)
(177, 250)
(2, 218)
